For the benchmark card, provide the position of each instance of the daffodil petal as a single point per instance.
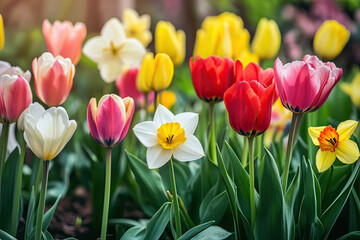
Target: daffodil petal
(347, 152)
(157, 156)
(190, 150)
(114, 31)
(346, 129)
(324, 160)
(109, 70)
(146, 132)
(132, 52)
(188, 121)
(94, 48)
(314, 133)
(163, 115)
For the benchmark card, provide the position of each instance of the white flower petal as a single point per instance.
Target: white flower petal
(188, 121)
(190, 150)
(146, 132)
(132, 51)
(163, 115)
(35, 141)
(65, 138)
(110, 70)
(114, 31)
(157, 156)
(94, 49)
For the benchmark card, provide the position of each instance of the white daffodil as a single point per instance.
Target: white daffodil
(112, 50)
(169, 135)
(47, 132)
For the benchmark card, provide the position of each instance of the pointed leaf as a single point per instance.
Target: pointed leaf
(49, 215)
(213, 233)
(134, 233)
(30, 219)
(158, 222)
(5, 236)
(351, 236)
(195, 230)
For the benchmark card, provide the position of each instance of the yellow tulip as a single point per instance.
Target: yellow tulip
(136, 26)
(353, 89)
(330, 39)
(155, 73)
(170, 41)
(247, 57)
(267, 39)
(223, 35)
(2, 34)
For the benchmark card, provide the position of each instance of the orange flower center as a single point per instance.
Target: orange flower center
(328, 139)
(170, 135)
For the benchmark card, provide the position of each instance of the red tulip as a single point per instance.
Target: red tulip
(109, 121)
(211, 77)
(249, 106)
(305, 85)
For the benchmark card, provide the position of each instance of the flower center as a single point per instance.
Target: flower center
(113, 49)
(328, 139)
(170, 135)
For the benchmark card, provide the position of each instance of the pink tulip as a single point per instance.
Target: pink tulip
(126, 85)
(305, 85)
(64, 38)
(109, 121)
(15, 97)
(53, 78)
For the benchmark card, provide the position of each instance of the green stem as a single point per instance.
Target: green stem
(41, 205)
(252, 181)
(310, 122)
(106, 195)
(175, 199)
(212, 141)
(155, 101)
(38, 176)
(259, 146)
(15, 212)
(294, 129)
(3, 148)
(245, 151)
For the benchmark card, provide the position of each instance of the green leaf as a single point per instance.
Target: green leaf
(158, 222)
(30, 218)
(195, 230)
(351, 236)
(213, 233)
(49, 215)
(124, 222)
(330, 215)
(310, 226)
(149, 181)
(6, 236)
(134, 233)
(47, 236)
(272, 212)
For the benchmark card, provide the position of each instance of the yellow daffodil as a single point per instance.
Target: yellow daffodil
(165, 98)
(330, 39)
(223, 35)
(2, 34)
(353, 89)
(136, 26)
(155, 73)
(334, 144)
(170, 41)
(267, 39)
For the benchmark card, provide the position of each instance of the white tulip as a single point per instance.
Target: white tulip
(47, 132)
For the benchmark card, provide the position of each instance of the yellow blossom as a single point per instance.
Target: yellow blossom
(166, 98)
(353, 89)
(136, 26)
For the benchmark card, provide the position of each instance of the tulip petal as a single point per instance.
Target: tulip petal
(33, 137)
(146, 132)
(157, 156)
(190, 150)
(324, 159)
(346, 129)
(65, 138)
(347, 152)
(163, 115)
(314, 133)
(188, 121)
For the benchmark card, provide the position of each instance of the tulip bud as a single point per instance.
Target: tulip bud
(110, 119)
(64, 38)
(170, 41)
(2, 34)
(267, 39)
(53, 78)
(155, 73)
(330, 39)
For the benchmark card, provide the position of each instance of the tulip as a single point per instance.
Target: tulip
(156, 72)
(330, 39)
(53, 78)
(136, 26)
(109, 120)
(64, 38)
(170, 41)
(165, 98)
(352, 89)
(267, 39)
(211, 77)
(2, 34)
(305, 85)
(6, 68)
(46, 133)
(126, 85)
(112, 50)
